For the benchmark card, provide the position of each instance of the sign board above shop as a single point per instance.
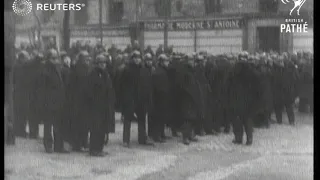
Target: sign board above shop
(186, 25)
(95, 32)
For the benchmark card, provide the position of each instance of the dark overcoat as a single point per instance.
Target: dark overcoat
(99, 95)
(189, 94)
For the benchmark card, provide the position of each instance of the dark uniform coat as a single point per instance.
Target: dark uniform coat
(189, 95)
(99, 96)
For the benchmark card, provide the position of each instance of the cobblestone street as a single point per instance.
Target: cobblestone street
(281, 152)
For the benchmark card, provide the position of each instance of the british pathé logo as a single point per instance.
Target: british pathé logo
(294, 25)
(22, 7)
(297, 4)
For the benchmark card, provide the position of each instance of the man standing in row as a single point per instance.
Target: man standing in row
(99, 97)
(132, 102)
(52, 98)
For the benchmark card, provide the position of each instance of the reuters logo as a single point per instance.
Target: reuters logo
(22, 7)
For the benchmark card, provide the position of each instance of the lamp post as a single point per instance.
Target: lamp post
(100, 22)
(167, 5)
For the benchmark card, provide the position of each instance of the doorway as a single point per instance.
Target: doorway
(268, 38)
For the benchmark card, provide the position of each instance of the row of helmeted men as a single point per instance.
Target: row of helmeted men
(193, 94)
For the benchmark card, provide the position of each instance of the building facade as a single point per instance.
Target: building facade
(218, 26)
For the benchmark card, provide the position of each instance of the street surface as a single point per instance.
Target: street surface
(282, 152)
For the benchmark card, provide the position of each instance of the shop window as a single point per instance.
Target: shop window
(212, 6)
(163, 7)
(269, 5)
(116, 12)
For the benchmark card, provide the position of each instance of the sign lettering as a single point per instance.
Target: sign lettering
(199, 25)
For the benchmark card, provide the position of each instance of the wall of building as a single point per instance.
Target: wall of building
(303, 41)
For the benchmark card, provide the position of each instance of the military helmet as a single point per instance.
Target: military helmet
(125, 55)
(200, 58)
(24, 55)
(148, 56)
(190, 56)
(52, 53)
(83, 54)
(62, 53)
(163, 57)
(100, 59)
(119, 57)
(243, 56)
(135, 54)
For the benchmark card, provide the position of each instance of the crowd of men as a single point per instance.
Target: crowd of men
(76, 94)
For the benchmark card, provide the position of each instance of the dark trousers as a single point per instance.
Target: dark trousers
(199, 126)
(158, 129)
(227, 121)
(34, 121)
(187, 128)
(303, 104)
(20, 122)
(52, 123)
(150, 125)
(241, 123)
(80, 138)
(262, 119)
(160, 118)
(218, 119)
(97, 136)
(289, 109)
(141, 118)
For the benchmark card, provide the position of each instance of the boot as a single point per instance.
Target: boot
(249, 142)
(186, 141)
(147, 142)
(97, 154)
(63, 150)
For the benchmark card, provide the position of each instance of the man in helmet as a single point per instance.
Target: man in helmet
(99, 97)
(35, 117)
(243, 97)
(52, 94)
(305, 84)
(146, 90)
(149, 50)
(285, 89)
(160, 50)
(77, 102)
(128, 49)
(22, 90)
(189, 100)
(161, 95)
(113, 51)
(218, 76)
(206, 124)
(131, 102)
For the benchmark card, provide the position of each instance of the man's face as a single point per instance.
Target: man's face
(55, 60)
(87, 60)
(137, 60)
(102, 65)
(191, 62)
(149, 62)
(166, 63)
(67, 61)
